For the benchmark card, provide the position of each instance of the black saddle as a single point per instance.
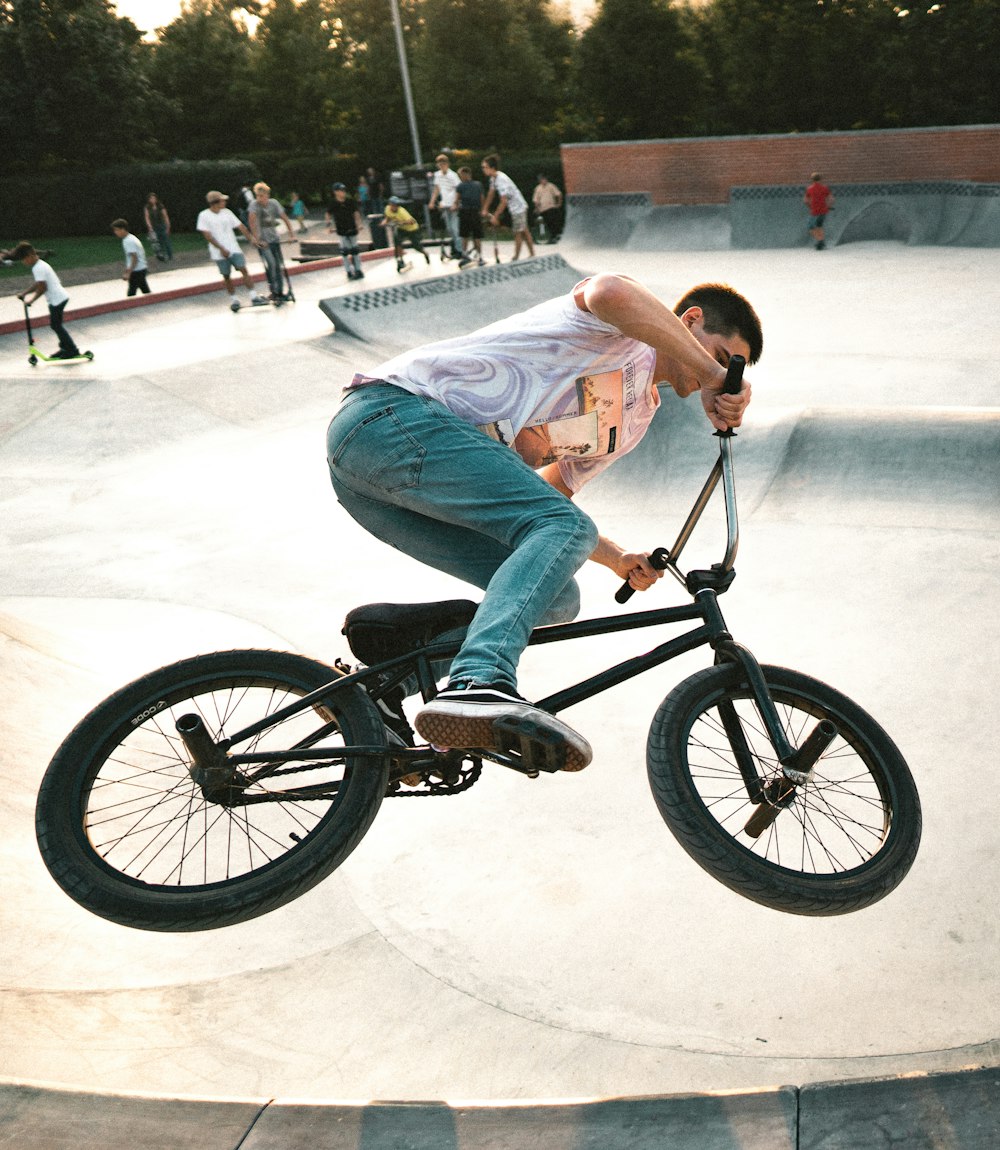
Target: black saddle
(380, 631)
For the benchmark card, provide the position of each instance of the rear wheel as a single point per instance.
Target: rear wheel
(129, 834)
(839, 842)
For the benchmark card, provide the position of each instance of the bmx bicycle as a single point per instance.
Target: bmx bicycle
(224, 786)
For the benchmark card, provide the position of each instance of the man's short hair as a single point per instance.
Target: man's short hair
(465, 171)
(727, 313)
(21, 250)
(492, 161)
(120, 223)
(260, 186)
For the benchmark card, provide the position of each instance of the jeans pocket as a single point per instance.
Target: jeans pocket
(377, 451)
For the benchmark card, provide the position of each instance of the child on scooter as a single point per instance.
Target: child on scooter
(47, 283)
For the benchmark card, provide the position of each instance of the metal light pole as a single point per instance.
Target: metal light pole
(408, 95)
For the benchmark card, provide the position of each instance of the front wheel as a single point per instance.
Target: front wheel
(131, 835)
(837, 843)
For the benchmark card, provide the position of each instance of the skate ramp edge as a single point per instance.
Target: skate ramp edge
(408, 314)
(958, 1109)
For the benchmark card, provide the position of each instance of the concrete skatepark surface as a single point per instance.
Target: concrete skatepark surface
(538, 939)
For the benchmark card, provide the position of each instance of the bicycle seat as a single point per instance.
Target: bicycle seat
(380, 631)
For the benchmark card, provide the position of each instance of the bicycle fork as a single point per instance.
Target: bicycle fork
(797, 763)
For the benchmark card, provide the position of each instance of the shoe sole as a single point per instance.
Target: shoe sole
(470, 725)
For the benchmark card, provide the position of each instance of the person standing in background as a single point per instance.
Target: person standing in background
(158, 227)
(507, 195)
(547, 200)
(819, 200)
(135, 258)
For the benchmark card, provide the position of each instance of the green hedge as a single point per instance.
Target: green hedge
(83, 203)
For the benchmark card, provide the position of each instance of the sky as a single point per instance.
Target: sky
(150, 14)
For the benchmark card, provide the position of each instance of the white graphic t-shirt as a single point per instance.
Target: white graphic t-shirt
(556, 384)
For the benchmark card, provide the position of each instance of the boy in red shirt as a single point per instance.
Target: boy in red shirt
(819, 200)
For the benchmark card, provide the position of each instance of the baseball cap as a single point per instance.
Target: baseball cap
(215, 197)
(395, 200)
(340, 187)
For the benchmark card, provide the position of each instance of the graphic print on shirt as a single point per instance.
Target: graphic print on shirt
(582, 424)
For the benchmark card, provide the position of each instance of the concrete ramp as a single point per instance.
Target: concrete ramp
(527, 939)
(408, 314)
(944, 213)
(918, 467)
(604, 221)
(682, 228)
(941, 213)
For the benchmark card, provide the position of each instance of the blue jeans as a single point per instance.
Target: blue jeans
(271, 256)
(439, 490)
(451, 223)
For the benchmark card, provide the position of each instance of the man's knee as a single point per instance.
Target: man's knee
(565, 607)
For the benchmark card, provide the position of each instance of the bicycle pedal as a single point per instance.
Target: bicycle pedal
(539, 747)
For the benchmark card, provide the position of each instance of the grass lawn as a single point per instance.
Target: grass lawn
(91, 251)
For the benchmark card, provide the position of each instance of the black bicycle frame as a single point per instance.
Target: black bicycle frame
(705, 587)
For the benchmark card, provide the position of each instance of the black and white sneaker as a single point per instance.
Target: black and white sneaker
(462, 716)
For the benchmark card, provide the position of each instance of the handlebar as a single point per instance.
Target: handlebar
(661, 558)
(734, 375)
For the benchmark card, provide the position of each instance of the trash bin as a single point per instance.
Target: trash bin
(378, 233)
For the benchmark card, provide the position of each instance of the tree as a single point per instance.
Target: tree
(640, 73)
(298, 59)
(200, 70)
(376, 127)
(952, 61)
(490, 72)
(68, 67)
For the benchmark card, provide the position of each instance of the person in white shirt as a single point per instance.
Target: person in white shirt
(135, 258)
(219, 225)
(466, 454)
(46, 282)
(444, 197)
(508, 195)
(547, 201)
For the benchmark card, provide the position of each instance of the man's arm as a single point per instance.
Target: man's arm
(630, 565)
(637, 313)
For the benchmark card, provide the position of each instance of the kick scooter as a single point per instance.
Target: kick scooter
(35, 353)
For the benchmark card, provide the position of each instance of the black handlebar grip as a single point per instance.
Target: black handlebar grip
(659, 559)
(734, 376)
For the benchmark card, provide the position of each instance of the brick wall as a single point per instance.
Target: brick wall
(702, 170)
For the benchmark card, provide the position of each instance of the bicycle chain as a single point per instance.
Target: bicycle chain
(429, 788)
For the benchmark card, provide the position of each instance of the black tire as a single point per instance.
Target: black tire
(844, 840)
(128, 834)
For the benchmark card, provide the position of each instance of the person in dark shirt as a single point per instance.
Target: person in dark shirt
(343, 217)
(470, 220)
